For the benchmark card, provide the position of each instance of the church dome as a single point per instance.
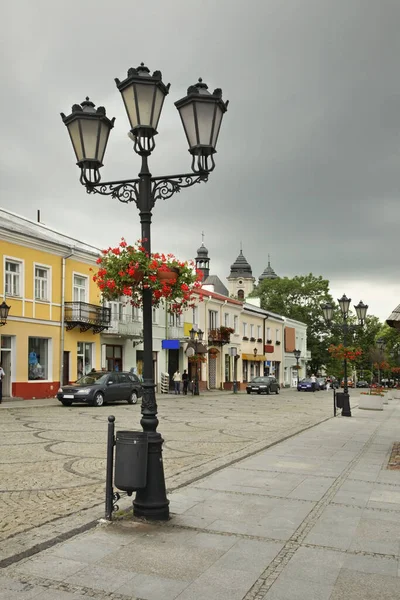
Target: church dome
(268, 273)
(241, 267)
(202, 252)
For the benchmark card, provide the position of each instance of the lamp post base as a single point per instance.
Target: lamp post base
(346, 412)
(151, 502)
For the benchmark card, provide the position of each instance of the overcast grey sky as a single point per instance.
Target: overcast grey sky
(309, 151)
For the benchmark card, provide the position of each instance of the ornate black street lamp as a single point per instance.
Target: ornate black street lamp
(4, 310)
(201, 113)
(346, 329)
(297, 354)
(196, 336)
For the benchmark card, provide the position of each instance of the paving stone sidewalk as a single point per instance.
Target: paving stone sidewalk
(315, 516)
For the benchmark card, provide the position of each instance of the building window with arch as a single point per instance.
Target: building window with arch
(241, 294)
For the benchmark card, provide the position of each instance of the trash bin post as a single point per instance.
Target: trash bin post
(109, 470)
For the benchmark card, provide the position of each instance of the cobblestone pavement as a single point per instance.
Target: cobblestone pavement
(52, 460)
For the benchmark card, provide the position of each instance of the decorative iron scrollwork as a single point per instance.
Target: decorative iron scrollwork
(124, 191)
(165, 187)
(116, 496)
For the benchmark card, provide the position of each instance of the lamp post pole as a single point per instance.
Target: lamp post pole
(196, 337)
(380, 342)
(345, 328)
(201, 113)
(297, 354)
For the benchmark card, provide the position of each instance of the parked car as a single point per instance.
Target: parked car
(362, 384)
(99, 387)
(305, 385)
(321, 383)
(350, 383)
(263, 385)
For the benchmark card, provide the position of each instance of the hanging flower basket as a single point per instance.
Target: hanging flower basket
(342, 352)
(127, 270)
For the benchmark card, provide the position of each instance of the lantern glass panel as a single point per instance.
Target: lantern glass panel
(188, 121)
(205, 116)
(327, 309)
(160, 96)
(344, 304)
(217, 126)
(361, 310)
(130, 105)
(104, 133)
(192, 333)
(90, 131)
(75, 135)
(144, 95)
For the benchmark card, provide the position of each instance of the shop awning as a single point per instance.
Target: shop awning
(259, 357)
(201, 348)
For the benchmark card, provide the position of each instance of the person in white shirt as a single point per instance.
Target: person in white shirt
(313, 380)
(177, 381)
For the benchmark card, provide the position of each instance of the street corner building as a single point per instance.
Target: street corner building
(52, 333)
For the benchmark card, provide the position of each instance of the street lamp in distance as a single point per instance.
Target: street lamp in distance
(4, 310)
(196, 336)
(297, 354)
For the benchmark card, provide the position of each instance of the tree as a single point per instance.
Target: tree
(301, 298)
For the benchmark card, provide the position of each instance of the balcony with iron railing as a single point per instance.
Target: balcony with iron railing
(86, 316)
(220, 336)
(174, 332)
(125, 326)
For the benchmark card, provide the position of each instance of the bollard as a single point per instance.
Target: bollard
(235, 387)
(109, 470)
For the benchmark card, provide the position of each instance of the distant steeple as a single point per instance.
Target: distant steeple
(241, 267)
(202, 260)
(268, 273)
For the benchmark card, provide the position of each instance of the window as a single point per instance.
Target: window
(277, 335)
(13, 271)
(174, 320)
(154, 315)
(195, 315)
(41, 283)
(136, 315)
(84, 358)
(227, 367)
(226, 319)
(269, 334)
(235, 323)
(116, 311)
(240, 294)
(213, 319)
(244, 329)
(38, 359)
(80, 288)
(252, 330)
(259, 331)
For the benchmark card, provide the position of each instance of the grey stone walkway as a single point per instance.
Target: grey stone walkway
(314, 517)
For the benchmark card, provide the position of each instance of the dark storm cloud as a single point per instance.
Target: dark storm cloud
(308, 157)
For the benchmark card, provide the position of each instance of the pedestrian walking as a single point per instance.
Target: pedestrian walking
(177, 381)
(313, 380)
(2, 374)
(185, 380)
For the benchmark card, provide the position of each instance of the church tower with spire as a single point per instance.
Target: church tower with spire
(202, 260)
(240, 280)
(268, 272)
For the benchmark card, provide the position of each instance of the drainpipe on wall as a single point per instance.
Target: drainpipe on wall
(265, 318)
(206, 337)
(222, 354)
(62, 333)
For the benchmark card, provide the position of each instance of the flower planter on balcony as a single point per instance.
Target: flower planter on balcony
(259, 340)
(252, 339)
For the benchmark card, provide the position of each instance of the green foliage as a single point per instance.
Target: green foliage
(301, 298)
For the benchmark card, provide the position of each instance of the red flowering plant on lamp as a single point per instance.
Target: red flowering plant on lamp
(342, 352)
(128, 269)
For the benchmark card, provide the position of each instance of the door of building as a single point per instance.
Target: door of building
(65, 380)
(212, 372)
(6, 364)
(114, 357)
(173, 365)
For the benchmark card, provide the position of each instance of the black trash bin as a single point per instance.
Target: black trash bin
(130, 460)
(339, 399)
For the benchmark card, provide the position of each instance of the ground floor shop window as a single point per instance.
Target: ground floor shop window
(114, 357)
(38, 358)
(245, 370)
(227, 367)
(84, 356)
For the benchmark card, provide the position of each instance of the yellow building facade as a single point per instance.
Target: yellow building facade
(52, 333)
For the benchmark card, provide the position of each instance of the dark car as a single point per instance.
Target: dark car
(362, 384)
(305, 385)
(263, 385)
(99, 387)
(321, 383)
